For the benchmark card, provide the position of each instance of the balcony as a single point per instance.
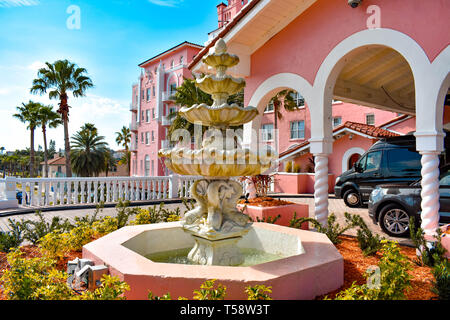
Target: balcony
(133, 108)
(134, 126)
(133, 147)
(167, 96)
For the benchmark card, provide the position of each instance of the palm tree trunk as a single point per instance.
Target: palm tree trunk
(45, 152)
(128, 160)
(32, 153)
(64, 110)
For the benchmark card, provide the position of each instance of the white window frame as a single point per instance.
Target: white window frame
(367, 119)
(267, 133)
(300, 133)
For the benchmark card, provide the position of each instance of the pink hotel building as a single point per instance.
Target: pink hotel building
(162, 74)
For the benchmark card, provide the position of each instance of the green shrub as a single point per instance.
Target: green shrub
(288, 167)
(33, 279)
(368, 242)
(332, 229)
(297, 168)
(55, 245)
(430, 253)
(80, 235)
(111, 288)
(33, 230)
(209, 292)
(105, 225)
(268, 219)
(12, 238)
(441, 283)
(394, 278)
(258, 292)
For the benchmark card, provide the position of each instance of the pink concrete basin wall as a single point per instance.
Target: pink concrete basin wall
(313, 267)
(286, 213)
(299, 183)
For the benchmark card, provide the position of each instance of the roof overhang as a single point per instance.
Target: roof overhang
(169, 51)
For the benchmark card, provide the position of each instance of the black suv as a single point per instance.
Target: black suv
(393, 160)
(392, 205)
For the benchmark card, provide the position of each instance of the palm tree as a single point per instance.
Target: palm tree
(189, 94)
(62, 77)
(124, 138)
(284, 99)
(47, 119)
(28, 113)
(88, 153)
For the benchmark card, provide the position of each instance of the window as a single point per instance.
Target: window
(147, 136)
(153, 113)
(153, 168)
(142, 116)
(269, 107)
(153, 136)
(267, 132)
(404, 161)
(142, 137)
(337, 121)
(147, 115)
(148, 94)
(172, 64)
(298, 98)
(173, 88)
(371, 161)
(370, 119)
(181, 60)
(153, 89)
(147, 166)
(298, 129)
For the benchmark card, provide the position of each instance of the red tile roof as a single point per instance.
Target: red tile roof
(366, 129)
(56, 161)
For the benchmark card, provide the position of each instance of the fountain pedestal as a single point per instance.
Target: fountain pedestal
(224, 252)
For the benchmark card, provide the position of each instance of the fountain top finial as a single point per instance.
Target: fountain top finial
(220, 46)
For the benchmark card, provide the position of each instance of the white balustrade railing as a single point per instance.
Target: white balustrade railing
(45, 192)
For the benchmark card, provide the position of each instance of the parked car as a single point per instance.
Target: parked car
(392, 160)
(392, 205)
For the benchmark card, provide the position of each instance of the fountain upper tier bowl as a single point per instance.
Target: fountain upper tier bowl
(221, 116)
(214, 162)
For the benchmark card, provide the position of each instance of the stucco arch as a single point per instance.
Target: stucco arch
(338, 57)
(348, 154)
(173, 75)
(267, 90)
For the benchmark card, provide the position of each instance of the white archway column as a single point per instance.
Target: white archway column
(321, 149)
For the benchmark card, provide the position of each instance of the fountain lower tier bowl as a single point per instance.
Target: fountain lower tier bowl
(297, 264)
(213, 162)
(223, 116)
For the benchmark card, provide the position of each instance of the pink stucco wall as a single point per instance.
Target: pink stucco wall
(176, 71)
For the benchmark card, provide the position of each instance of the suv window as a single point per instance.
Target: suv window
(403, 161)
(445, 180)
(371, 161)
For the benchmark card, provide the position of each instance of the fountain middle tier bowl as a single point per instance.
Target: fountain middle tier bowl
(221, 59)
(213, 84)
(222, 116)
(213, 162)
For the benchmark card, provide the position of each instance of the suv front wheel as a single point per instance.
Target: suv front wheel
(352, 198)
(394, 220)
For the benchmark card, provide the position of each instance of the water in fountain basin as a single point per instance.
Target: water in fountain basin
(251, 257)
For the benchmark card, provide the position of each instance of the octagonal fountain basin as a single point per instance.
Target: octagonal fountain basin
(297, 264)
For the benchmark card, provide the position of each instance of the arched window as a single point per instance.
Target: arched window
(181, 60)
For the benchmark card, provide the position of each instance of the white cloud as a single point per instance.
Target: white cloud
(166, 3)
(18, 3)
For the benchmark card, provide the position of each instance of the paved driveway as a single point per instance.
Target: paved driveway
(336, 206)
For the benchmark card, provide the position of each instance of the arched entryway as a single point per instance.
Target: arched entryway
(350, 157)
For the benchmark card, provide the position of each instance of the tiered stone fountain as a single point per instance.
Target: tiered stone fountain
(215, 223)
(215, 239)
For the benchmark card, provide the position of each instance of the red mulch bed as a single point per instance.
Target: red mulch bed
(355, 265)
(265, 202)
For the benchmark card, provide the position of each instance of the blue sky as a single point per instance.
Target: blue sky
(113, 38)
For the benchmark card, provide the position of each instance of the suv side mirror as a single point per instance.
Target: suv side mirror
(358, 167)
